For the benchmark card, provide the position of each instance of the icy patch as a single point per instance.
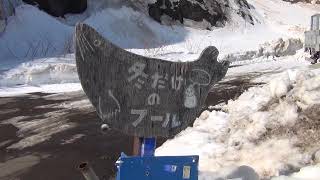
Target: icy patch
(249, 133)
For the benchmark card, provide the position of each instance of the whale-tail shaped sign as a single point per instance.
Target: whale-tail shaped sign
(143, 96)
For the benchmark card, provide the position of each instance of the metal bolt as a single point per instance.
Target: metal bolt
(105, 128)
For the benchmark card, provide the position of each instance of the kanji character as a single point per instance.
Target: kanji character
(158, 81)
(176, 82)
(137, 70)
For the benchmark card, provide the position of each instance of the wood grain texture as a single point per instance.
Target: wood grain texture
(143, 96)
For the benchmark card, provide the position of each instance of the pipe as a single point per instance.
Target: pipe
(87, 171)
(147, 147)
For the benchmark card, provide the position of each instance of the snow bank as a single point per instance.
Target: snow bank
(257, 129)
(128, 28)
(44, 88)
(272, 49)
(42, 71)
(31, 34)
(306, 173)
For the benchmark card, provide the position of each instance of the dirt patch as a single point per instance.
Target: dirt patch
(230, 89)
(101, 150)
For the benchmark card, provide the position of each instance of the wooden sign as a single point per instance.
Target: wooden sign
(143, 96)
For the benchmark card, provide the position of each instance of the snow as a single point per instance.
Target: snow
(306, 173)
(32, 35)
(238, 136)
(290, 19)
(44, 88)
(41, 71)
(143, 33)
(36, 55)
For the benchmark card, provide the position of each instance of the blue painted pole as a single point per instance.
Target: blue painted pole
(148, 146)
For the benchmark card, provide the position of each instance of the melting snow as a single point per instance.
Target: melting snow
(241, 136)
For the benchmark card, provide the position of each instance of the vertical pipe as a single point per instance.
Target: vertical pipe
(136, 146)
(148, 146)
(87, 171)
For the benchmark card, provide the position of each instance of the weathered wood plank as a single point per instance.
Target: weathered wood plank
(143, 96)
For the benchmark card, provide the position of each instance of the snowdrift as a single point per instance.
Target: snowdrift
(274, 128)
(277, 48)
(42, 71)
(32, 34)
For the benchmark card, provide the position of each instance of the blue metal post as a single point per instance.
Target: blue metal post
(147, 166)
(148, 146)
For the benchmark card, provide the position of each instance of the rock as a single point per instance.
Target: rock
(244, 173)
(7, 8)
(288, 47)
(312, 112)
(214, 12)
(2, 20)
(231, 173)
(204, 115)
(316, 156)
(2, 25)
(315, 1)
(1, 11)
(305, 1)
(59, 8)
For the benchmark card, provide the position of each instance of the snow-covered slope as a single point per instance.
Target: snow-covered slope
(290, 19)
(32, 34)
